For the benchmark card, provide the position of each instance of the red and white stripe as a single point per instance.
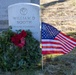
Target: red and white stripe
(62, 44)
(51, 47)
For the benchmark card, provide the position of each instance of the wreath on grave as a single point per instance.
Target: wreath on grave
(18, 50)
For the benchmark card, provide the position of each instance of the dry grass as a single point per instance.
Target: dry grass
(61, 15)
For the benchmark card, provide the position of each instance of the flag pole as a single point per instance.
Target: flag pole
(42, 61)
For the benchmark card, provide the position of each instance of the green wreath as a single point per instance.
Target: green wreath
(20, 53)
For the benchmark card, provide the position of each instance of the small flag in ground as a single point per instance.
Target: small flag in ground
(54, 41)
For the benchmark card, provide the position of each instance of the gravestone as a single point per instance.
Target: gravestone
(35, 1)
(4, 12)
(25, 16)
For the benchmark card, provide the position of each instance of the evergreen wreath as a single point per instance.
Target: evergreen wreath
(18, 50)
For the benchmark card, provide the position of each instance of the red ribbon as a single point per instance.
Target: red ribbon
(18, 39)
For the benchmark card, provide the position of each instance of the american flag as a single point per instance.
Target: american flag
(55, 42)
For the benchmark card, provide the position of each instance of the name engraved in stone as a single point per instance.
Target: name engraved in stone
(23, 18)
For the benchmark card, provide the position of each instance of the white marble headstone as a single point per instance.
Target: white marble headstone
(25, 16)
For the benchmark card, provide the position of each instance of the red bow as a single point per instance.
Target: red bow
(18, 39)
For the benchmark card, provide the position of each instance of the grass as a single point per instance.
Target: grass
(61, 65)
(73, 2)
(72, 34)
(26, 72)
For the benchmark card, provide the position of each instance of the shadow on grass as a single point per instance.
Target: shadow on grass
(61, 65)
(26, 72)
(52, 3)
(72, 34)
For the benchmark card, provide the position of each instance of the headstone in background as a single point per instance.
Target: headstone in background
(35, 1)
(25, 16)
(4, 12)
